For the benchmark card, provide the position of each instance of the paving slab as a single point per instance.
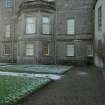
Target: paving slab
(80, 86)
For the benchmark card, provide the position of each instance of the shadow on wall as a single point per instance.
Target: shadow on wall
(8, 61)
(87, 61)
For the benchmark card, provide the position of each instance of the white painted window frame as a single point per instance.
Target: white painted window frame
(73, 50)
(71, 26)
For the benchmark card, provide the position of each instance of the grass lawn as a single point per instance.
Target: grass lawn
(50, 69)
(14, 88)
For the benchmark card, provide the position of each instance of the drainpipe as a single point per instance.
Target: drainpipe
(13, 35)
(55, 50)
(37, 43)
(12, 55)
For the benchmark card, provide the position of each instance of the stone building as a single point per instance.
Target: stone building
(99, 29)
(46, 31)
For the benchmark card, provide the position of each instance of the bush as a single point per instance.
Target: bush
(100, 50)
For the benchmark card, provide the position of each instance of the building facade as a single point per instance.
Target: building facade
(46, 31)
(99, 29)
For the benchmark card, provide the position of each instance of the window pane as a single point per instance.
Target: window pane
(31, 19)
(89, 50)
(30, 28)
(100, 18)
(29, 52)
(45, 25)
(8, 3)
(7, 33)
(71, 30)
(46, 50)
(45, 20)
(29, 46)
(30, 25)
(71, 26)
(46, 29)
(29, 49)
(7, 50)
(71, 22)
(70, 50)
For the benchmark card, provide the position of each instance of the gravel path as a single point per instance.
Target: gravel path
(80, 86)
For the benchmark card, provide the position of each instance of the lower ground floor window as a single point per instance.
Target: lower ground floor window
(70, 50)
(6, 49)
(46, 50)
(29, 49)
(89, 50)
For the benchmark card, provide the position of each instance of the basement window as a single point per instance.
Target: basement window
(29, 49)
(6, 49)
(89, 50)
(70, 50)
(46, 50)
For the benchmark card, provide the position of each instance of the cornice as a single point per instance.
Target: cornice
(36, 4)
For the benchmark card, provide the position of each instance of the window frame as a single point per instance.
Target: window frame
(6, 29)
(8, 3)
(100, 18)
(48, 50)
(31, 23)
(67, 50)
(6, 49)
(49, 24)
(67, 24)
(28, 49)
(90, 48)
